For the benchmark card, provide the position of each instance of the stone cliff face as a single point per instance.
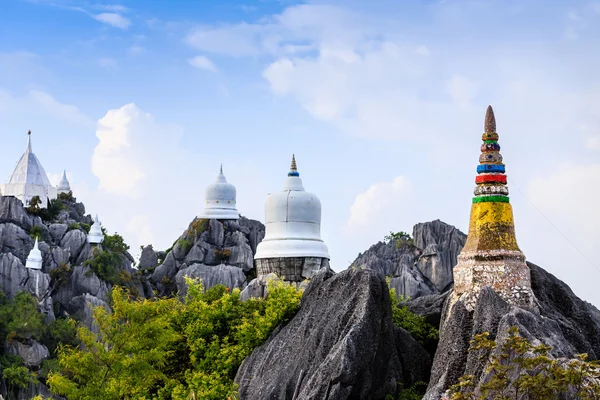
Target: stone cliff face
(421, 269)
(341, 344)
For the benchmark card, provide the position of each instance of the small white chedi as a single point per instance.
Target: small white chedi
(63, 185)
(34, 260)
(292, 247)
(29, 179)
(220, 200)
(95, 236)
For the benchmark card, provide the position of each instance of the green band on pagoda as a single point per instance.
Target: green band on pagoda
(490, 199)
(490, 141)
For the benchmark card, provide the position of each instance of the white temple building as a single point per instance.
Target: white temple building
(34, 260)
(29, 179)
(292, 247)
(95, 236)
(220, 200)
(63, 185)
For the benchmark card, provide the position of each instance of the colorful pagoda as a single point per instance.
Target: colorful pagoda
(491, 256)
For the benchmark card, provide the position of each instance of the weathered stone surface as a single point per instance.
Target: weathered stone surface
(430, 307)
(87, 252)
(565, 323)
(13, 239)
(227, 275)
(196, 255)
(12, 211)
(216, 233)
(293, 269)
(254, 230)
(255, 289)
(74, 241)
(342, 336)
(241, 256)
(167, 270)
(57, 231)
(83, 306)
(440, 244)
(148, 258)
(13, 274)
(32, 353)
(82, 281)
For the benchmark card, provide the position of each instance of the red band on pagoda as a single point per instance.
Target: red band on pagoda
(490, 179)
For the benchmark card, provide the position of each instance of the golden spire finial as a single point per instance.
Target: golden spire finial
(293, 168)
(490, 121)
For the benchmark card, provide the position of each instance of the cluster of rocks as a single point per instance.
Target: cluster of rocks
(64, 286)
(421, 268)
(218, 252)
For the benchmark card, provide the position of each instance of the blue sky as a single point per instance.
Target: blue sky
(382, 102)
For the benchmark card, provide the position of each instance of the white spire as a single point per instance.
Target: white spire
(220, 200)
(34, 260)
(95, 236)
(63, 185)
(28, 148)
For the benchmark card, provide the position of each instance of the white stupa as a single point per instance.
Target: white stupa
(220, 200)
(29, 179)
(95, 236)
(34, 260)
(63, 185)
(292, 223)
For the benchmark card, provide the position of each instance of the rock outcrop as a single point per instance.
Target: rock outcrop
(419, 269)
(341, 342)
(218, 252)
(565, 322)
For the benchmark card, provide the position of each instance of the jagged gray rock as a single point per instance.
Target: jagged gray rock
(216, 233)
(254, 231)
(83, 306)
(57, 231)
(342, 336)
(13, 274)
(196, 255)
(564, 322)
(81, 281)
(74, 240)
(430, 307)
(148, 258)
(12, 211)
(13, 239)
(167, 270)
(32, 353)
(440, 244)
(227, 275)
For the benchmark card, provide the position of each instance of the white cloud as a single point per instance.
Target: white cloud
(202, 62)
(136, 50)
(592, 142)
(113, 19)
(378, 203)
(108, 63)
(37, 101)
(235, 40)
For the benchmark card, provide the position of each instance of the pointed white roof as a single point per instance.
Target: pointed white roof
(29, 170)
(63, 185)
(34, 260)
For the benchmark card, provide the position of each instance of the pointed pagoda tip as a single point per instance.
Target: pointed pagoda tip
(490, 121)
(35, 246)
(221, 170)
(28, 149)
(293, 167)
(64, 174)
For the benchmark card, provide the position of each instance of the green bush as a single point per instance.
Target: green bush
(18, 376)
(20, 317)
(400, 239)
(114, 243)
(222, 254)
(74, 226)
(61, 273)
(50, 213)
(523, 371)
(105, 265)
(85, 227)
(35, 232)
(170, 348)
(66, 196)
(417, 325)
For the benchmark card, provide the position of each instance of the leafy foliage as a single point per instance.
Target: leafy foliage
(400, 239)
(170, 348)
(114, 243)
(105, 265)
(417, 325)
(519, 370)
(66, 196)
(20, 317)
(222, 254)
(35, 232)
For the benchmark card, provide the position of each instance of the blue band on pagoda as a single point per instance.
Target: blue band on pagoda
(490, 168)
(293, 173)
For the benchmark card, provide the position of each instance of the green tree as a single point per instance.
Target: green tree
(416, 325)
(399, 239)
(170, 348)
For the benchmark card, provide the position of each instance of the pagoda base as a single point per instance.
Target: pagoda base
(503, 271)
(294, 269)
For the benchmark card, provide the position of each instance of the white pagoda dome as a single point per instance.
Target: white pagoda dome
(292, 222)
(29, 179)
(220, 200)
(63, 185)
(34, 260)
(95, 236)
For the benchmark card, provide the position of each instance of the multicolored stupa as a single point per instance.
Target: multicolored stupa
(491, 256)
